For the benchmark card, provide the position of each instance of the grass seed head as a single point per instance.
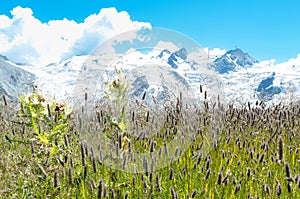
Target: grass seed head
(296, 178)
(82, 154)
(278, 189)
(55, 179)
(194, 193)
(126, 195)
(280, 148)
(248, 172)
(94, 164)
(267, 189)
(262, 158)
(100, 188)
(207, 174)
(234, 181)
(269, 174)
(173, 194)
(85, 172)
(220, 176)
(289, 187)
(237, 189)
(70, 175)
(171, 176)
(112, 193)
(287, 170)
(158, 185)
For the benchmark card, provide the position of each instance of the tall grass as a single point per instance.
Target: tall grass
(257, 154)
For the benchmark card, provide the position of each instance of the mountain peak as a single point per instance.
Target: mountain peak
(243, 59)
(163, 53)
(179, 54)
(237, 50)
(182, 53)
(233, 59)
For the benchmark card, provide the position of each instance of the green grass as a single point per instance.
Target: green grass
(244, 163)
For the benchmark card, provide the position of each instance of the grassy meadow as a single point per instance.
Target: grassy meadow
(256, 155)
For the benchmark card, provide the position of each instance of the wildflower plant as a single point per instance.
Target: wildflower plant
(117, 93)
(48, 121)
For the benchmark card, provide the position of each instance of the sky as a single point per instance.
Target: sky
(263, 28)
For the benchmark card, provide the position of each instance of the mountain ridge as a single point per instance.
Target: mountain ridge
(244, 78)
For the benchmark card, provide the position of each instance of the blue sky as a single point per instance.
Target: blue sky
(265, 29)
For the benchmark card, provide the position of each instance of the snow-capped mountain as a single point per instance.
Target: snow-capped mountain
(13, 79)
(157, 73)
(243, 77)
(263, 81)
(233, 60)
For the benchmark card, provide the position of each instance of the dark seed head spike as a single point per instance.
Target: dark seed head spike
(144, 95)
(4, 100)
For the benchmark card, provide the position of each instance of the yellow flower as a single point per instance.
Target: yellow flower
(125, 141)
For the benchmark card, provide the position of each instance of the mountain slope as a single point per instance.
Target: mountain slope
(13, 80)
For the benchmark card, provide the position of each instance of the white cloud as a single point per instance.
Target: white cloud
(292, 62)
(216, 52)
(25, 39)
(4, 21)
(167, 45)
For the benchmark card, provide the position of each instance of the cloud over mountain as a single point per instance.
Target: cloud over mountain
(25, 39)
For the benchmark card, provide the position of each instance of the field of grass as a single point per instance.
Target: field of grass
(256, 155)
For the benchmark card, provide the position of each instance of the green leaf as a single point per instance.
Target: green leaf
(122, 126)
(53, 151)
(61, 127)
(42, 137)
